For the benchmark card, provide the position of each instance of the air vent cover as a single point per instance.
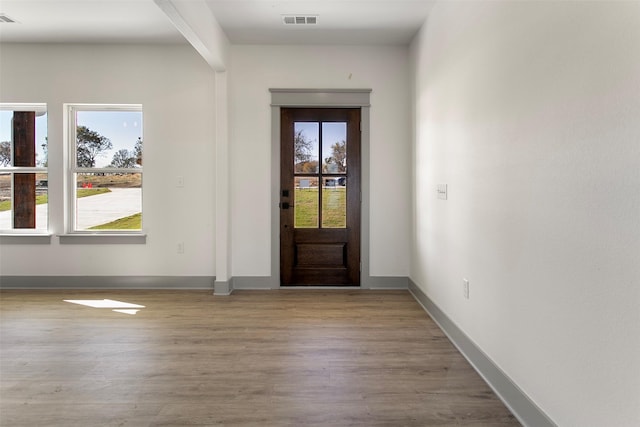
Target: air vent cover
(300, 19)
(4, 19)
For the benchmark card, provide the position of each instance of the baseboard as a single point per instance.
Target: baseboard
(267, 282)
(386, 282)
(254, 283)
(522, 407)
(223, 288)
(107, 282)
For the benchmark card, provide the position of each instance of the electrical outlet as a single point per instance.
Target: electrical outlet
(465, 288)
(180, 248)
(180, 181)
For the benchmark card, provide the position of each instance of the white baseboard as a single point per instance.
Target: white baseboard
(522, 407)
(107, 282)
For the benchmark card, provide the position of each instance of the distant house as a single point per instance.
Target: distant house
(335, 182)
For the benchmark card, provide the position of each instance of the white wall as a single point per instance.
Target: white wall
(176, 88)
(256, 69)
(529, 111)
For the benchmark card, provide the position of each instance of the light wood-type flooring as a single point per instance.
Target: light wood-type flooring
(255, 358)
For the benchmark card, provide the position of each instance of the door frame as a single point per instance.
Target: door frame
(319, 98)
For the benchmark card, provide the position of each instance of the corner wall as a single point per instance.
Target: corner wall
(528, 111)
(177, 90)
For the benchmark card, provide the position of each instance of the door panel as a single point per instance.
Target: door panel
(320, 196)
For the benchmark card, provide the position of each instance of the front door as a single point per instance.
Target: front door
(320, 196)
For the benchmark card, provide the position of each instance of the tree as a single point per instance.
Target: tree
(124, 159)
(89, 146)
(45, 149)
(302, 147)
(303, 153)
(338, 157)
(5, 153)
(137, 150)
(307, 167)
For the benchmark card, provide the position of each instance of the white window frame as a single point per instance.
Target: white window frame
(38, 108)
(72, 169)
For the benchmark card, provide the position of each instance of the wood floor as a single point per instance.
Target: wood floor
(272, 358)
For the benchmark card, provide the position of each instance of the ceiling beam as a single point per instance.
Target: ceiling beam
(199, 26)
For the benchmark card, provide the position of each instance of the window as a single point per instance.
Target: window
(105, 168)
(23, 168)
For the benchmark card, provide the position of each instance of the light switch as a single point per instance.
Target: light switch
(442, 191)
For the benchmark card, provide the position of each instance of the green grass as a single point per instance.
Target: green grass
(133, 222)
(6, 204)
(43, 198)
(334, 208)
(86, 192)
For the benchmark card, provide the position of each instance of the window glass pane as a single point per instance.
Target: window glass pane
(6, 131)
(334, 147)
(33, 151)
(305, 147)
(108, 201)
(29, 207)
(334, 202)
(306, 202)
(6, 222)
(23, 144)
(108, 139)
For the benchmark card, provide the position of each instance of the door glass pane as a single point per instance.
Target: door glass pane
(305, 147)
(306, 202)
(334, 147)
(334, 202)
(109, 201)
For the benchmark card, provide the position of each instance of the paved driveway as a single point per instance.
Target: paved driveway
(92, 210)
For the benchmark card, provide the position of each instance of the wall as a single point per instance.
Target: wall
(529, 112)
(256, 69)
(176, 88)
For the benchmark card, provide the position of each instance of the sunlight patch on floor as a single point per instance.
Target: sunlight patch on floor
(117, 306)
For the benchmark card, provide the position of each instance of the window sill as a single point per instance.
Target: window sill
(102, 239)
(25, 238)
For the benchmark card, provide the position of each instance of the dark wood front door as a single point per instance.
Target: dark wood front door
(320, 196)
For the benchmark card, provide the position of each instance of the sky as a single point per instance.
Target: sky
(123, 128)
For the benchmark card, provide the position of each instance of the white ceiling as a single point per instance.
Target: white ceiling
(244, 21)
(86, 21)
(339, 21)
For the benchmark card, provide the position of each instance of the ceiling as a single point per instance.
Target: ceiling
(86, 21)
(244, 21)
(339, 21)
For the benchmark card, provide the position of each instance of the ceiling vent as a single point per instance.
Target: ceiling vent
(4, 19)
(300, 19)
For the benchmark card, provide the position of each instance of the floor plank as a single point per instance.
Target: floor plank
(267, 358)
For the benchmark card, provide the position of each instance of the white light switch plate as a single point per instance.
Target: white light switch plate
(442, 191)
